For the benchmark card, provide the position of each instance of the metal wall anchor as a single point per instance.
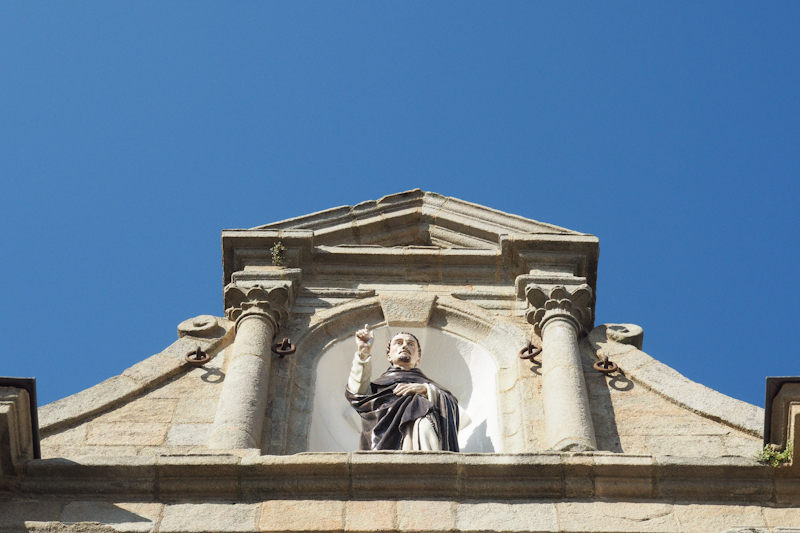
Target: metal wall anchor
(284, 348)
(197, 357)
(605, 366)
(529, 352)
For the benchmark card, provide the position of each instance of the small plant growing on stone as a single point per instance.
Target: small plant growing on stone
(278, 253)
(775, 458)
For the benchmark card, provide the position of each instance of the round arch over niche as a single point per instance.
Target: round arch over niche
(458, 338)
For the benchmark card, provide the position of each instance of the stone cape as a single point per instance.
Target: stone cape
(385, 415)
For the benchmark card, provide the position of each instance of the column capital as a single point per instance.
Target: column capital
(271, 300)
(558, 301)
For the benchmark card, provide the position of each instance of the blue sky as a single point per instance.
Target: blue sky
(132, 134)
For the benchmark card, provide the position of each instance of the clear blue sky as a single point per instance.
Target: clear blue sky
(132, 134)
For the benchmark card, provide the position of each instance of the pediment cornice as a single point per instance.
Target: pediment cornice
(415, 237)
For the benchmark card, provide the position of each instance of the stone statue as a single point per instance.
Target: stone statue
(403, 409)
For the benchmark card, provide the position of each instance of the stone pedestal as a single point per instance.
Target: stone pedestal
(558, 316)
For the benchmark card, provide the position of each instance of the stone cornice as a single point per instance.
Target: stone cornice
(375, 475)
(392, 237)
(549, 302)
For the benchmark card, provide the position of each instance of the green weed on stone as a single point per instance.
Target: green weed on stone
(773, 457)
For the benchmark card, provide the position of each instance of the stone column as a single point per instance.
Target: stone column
(243, 400)
(558, 316)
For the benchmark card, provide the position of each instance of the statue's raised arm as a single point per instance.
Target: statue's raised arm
(403, 409)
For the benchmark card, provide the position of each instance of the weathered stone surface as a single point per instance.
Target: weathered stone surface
(240, 414)
(743, 445)
(302, 515)
(195, 411)
(197, 476)
(719, 479)
(127, 433)
(75, 436)
(643, 369)
(151, 370)
(701, 399)
(88, 451)
(686, 445)
(190, 385)
(494, 516)
(370, 515)
(368, 473)
(538, 475)
(407, 309)
(710, 517)
(626, 476)
(209, 517)
(783, 517)
(460, 318)
(144, 409)
(188, 435)
(616, 516)
(430, 515)
(568, 419)
(199, 326)
(312, 474)
(111, 477)
(122, 517)
(134, 381)
(14, 513)
(88, 402)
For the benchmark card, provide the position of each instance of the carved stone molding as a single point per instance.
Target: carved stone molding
(558, 301)
(16, 431)
(272, 300)
(203, 326)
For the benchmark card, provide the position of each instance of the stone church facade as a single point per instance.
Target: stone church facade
(590, 434)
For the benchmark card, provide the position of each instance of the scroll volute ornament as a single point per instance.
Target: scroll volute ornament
(559, 301)
(272, 301)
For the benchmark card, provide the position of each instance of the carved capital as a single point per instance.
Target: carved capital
(546, 304)
(271, 301)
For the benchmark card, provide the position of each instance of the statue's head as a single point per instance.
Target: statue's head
(404, 351)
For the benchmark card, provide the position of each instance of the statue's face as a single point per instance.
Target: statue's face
(404, 351)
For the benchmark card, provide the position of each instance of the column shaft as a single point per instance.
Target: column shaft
(568, 418)
(243, 399)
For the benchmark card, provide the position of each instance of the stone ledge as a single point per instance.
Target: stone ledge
(394, 474)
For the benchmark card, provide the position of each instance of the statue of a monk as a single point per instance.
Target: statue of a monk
(402, 409)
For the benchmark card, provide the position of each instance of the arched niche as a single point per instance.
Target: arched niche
(460, 324)
(459, 365)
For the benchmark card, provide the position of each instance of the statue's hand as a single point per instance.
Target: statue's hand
(364, 340)
(404, 389)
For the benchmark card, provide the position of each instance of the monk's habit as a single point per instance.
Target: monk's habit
(387, 417)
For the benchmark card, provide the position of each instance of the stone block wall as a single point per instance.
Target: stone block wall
(284, 516)
(174, 417)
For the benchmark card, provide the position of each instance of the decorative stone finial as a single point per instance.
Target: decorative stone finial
(559, 302)
(200, 326)
(272, 301)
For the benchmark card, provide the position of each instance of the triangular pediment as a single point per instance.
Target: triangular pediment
(415, 218)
